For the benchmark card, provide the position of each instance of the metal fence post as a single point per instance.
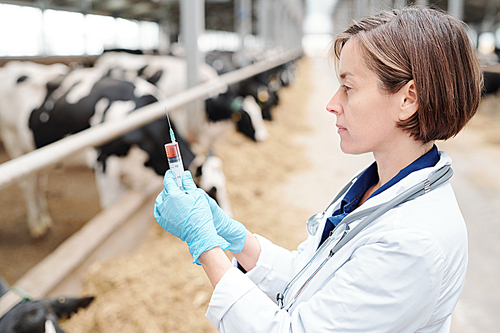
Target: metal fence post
(243, 26)
(263, 21)
(192, 24)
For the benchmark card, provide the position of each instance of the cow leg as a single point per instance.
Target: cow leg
(135, 175)
(14, 143)
(34, 190)
(125, 173)
(108, 181)
(33, 186)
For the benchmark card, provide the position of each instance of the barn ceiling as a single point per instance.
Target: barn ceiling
(219, 13)
(146, 10)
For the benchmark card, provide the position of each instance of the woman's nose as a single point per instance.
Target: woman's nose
(334, 105)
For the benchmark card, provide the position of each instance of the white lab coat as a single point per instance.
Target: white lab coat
(403, 273)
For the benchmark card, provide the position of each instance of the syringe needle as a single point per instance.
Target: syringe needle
(174, 157)
(172, 136)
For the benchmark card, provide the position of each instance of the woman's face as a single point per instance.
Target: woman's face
(366, 117)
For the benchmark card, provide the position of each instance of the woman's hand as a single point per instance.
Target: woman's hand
(231, 230)
(187, 215)
(243, 244)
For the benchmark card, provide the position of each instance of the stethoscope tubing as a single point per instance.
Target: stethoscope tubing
(439, 177)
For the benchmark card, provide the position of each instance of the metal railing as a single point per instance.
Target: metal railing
(42, 158)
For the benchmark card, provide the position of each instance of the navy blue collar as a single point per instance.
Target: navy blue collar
(367, 179)
(427, 160)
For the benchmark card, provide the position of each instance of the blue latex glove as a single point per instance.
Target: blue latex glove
(187, 216)
(231, 230)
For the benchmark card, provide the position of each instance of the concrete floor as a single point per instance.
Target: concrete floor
(476, 184)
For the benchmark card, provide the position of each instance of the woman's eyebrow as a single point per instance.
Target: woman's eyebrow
(345, 74)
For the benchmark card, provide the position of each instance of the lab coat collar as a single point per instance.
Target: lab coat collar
(407, 182)
(390, 193)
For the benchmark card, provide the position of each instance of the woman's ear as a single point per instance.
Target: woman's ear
(409, 100)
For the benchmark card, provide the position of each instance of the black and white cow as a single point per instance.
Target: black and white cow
(20, 315)
(24, 87)
(168, 73)
(264, 87)
(83, 98)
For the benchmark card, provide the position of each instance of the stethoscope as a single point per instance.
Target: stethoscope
(342, 233)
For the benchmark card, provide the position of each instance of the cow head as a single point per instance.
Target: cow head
(40, 316)
(265, 97)
(243, 111)
(255, 123)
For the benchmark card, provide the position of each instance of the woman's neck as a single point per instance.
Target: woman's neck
(396, 158)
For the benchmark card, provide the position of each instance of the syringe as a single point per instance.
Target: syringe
(174, 157)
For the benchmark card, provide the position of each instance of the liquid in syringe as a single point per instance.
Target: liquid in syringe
(174, 157)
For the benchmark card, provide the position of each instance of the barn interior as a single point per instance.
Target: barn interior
(124, 252)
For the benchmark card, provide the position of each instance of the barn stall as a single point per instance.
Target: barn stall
(82, 233)
(146, 290)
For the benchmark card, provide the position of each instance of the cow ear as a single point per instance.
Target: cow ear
(156, 77)
(64, 307)
(141, 70)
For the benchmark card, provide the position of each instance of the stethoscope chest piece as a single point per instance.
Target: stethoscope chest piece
(313, 223)
(315, 220)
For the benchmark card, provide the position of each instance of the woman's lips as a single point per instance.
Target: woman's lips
(340, 128)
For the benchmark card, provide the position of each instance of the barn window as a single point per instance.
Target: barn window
(20, 33)
(27, 31)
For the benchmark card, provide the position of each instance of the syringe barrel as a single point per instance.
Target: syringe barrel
(175, 162)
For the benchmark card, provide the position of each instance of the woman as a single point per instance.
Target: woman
(408, 77)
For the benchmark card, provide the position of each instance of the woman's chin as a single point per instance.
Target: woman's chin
(350, 149)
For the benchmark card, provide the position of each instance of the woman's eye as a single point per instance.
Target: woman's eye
(346, 88)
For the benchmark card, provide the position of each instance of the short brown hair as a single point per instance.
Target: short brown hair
(427, 46)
